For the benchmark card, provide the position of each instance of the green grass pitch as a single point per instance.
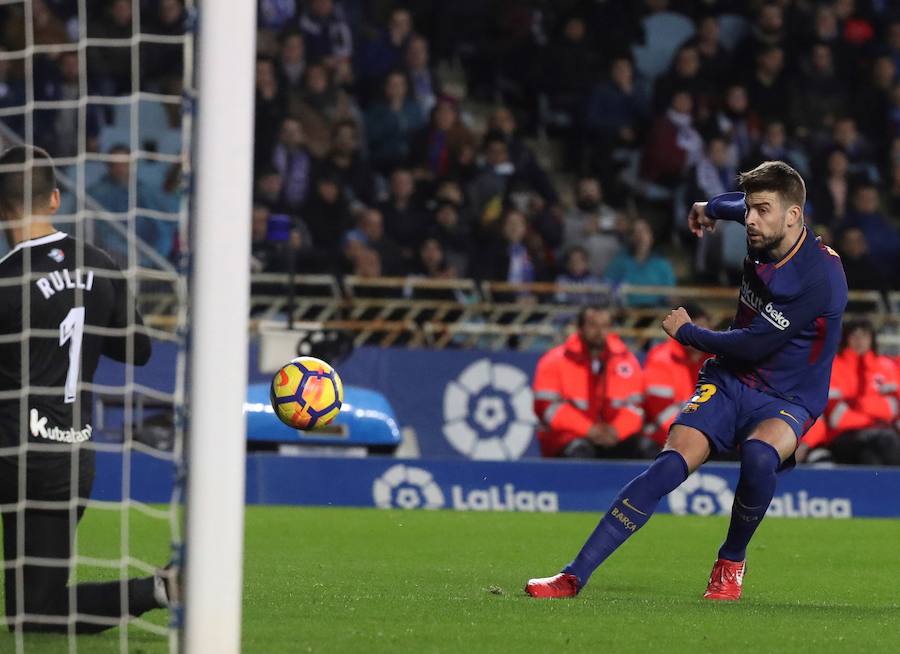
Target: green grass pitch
(346, 580)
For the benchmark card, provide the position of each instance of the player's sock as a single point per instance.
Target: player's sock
(629, 512)
(756, 486)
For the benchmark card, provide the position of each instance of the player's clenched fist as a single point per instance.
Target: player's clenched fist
(699, 221)
(675, 319)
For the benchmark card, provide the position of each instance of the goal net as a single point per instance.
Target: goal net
(107, 88)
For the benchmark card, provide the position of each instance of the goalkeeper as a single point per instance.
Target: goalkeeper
(74, 296)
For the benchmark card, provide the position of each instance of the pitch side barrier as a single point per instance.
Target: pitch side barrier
(526, 485)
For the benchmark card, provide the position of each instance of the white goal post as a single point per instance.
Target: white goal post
(222, 174)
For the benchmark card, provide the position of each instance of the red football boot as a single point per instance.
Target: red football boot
(726, 580)
(561, 585)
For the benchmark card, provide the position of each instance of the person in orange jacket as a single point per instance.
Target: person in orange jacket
(588, 392)
(861, 420)
(670, 375)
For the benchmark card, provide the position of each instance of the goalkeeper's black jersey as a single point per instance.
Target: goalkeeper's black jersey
(70, 298)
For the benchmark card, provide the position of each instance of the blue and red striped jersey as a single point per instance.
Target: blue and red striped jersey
(788, 323)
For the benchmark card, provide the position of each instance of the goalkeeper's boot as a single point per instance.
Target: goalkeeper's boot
(167, 586)
(726, 580)
(561, 585)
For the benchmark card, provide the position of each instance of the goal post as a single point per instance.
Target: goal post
(222, 175)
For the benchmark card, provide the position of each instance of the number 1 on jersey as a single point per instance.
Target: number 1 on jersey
(72, 328)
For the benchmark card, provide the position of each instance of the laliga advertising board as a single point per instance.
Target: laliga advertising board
(550, 486)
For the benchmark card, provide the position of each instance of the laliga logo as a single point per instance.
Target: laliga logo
(705, 494)
(488, 411)
(407, 487)
(702, 494)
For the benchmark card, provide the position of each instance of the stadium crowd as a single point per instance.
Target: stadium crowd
(513, 140)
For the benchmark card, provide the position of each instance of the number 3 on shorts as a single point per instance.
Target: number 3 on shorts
(706, 391)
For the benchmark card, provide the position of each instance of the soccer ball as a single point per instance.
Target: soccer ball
(306, 393)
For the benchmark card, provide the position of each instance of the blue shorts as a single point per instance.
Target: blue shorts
(726, 410)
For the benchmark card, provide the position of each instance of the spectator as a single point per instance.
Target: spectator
(453, 233)
(715, 60)
(367, 265)
(641, 266)
(268, 189)
(511, 256)
(670, 375)
(576, 272)
(593, 225)
(291, 61)
(684, 75)
(768, 31)
(370, 233)
(109, 67)
(278, 243)
(614, 116)
(431, 262)
(768, 87)
(880, 233)
(673, 144)
(863, 401)
(776, 147)
(716, 172)
(391, 123)
(319, 106)
(859, 152)
(355, 175)
(292, 160)
(424, 81)
(163, 61)
(570, 65)
(275, 15)
(327, 214)
(269, 110)
(503, 120)
(46, 27)
(326, 34)
(587, 394)
(385, 52)
(861, 274)
(12, 93)
(436, 147)
(487, 191)
(873, 104)
(830, 192)
(819, 95)
(737, 122)
(723, 251)
(65, 133)
(404, 221)
(113, 193)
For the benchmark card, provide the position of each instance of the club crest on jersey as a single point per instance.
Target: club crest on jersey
(57, 255)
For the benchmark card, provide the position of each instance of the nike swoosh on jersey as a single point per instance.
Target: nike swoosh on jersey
(785, 413)
(632, 506)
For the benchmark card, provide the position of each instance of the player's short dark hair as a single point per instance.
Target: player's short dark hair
(777, 177)
(21, 167)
